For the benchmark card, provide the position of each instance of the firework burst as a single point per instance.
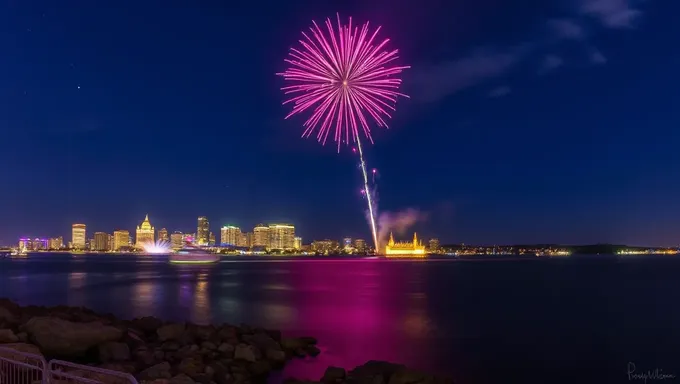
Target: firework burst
(344, 76)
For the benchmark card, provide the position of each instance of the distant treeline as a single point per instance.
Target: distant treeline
(575, 249)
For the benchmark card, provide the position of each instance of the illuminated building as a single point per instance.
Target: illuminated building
(90, 244)
(189, 238)
(416, 248)
(261, 236)
(211, 239)
(177, 240)
(297, 243)
(121, 238)
(163, 235)
(101, 241)
(56, 243)
(325, 246)
(281, 236)
(26, 244)
(248, 239)
(230, 235)
(78, 232)
(360, 245)
(347, 242)
(110, 247)
(203, 231)
(433, 245)
(145, 233)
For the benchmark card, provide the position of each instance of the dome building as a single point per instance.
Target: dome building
(145, 233)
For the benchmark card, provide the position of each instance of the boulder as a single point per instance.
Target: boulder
(8, 336)
(334, 375)
(113, 351)
(158, 371)
(181, 379)
(246, 352)
(64, 338)
(171, 331)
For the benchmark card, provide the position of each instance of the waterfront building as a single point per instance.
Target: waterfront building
(230, 236)
(163, 235)
(189, 238)
(250, 237)
(177, 240)
(55, 243)
(360, 245)
(414, 249)
(203, 231)
(281, 236)
(261, 236)
(146, 233)
(101, 242)
(211, 239)
(121, 239)
(325, 246)
(297, 243)
(433, 245)
(78, 236)
(27, 244)
(110, 245)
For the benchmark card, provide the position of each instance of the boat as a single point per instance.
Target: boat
(193, 255)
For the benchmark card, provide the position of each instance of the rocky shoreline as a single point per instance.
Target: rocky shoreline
(159, 352)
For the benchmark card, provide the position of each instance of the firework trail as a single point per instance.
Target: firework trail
(344, 77)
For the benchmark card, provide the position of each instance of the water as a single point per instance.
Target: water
(532, 321)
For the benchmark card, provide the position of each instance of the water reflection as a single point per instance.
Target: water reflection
(76, 293)
(201, 313)
(146, 294)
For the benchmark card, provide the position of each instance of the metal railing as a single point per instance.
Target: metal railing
(18, 367)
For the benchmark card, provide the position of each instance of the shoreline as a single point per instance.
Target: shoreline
(161, 352)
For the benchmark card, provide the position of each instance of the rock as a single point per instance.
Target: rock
(307, 340)
(334, 375)
(374, 369)
(276, 356)
(260, 368)
(144, 356)
(203, 332)
(148, 324)
(158, 371)
(226, 349)
(113, 351)
(10, 312)
(312, 351)
(64, 338)
(127, 367)
(181, 379)
(208, 345)
(20, 347)
(171, 346)
(171, 331)
(246, 352)
(191, 366)
(274, 334)
(8, 336)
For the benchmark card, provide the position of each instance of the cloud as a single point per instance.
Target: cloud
(434, 82)
(611, 13)
(550, 63)
(596, 57)
(567, 29)
(499, 91)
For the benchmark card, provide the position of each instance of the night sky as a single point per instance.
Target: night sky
(552, 122)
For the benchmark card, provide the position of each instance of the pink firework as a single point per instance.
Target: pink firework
(344, 76)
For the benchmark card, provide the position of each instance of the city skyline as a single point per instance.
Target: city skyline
(554, 122)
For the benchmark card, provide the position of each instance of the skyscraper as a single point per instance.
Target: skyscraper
(163, 235)
(229, 235)
(56, 243)
(145, 233)
(203, 231)
(121, 238)
(101, 241)
(177, 240)
(78, 232)
(298, 243)
(261, 236)
(281, 236)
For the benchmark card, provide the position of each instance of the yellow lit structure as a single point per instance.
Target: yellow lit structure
(145, 233)
(414, 249)
(78, 235)
(121, 238)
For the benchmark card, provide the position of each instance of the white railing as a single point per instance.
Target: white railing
(25, 368)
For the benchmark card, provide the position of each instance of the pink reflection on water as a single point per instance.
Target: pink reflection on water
(357, 314)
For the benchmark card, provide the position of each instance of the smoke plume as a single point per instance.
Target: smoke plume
(397, 222)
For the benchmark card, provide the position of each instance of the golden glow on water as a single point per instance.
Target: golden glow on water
(201, 313)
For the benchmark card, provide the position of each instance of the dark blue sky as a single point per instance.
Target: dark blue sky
(554, 121)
